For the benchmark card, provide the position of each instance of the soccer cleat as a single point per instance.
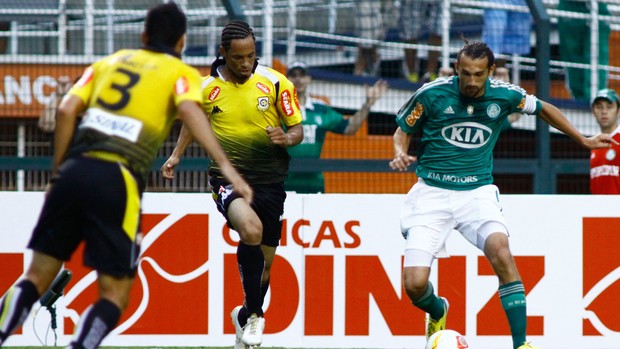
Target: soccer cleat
(527, 345)
(253, 331)
(438, 325)
(234, 315)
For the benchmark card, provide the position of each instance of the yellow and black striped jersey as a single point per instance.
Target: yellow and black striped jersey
(132, 98)
(240, 115)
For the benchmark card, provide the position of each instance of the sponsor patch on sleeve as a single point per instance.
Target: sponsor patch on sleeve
(286, 102)
(296, 99)
(86, 77)
(181, 86)
(415, 114)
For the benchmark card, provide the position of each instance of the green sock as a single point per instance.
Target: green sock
(512, 296)
(430, 303)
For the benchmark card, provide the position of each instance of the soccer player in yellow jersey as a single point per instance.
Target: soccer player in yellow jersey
(255, 115)
(129, 100)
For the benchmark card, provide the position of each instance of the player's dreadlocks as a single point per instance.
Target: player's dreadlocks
(235, 29)
(476, 50)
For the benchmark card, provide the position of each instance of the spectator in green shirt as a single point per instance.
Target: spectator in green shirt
(317, 119)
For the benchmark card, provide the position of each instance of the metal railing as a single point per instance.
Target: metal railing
(81, 31)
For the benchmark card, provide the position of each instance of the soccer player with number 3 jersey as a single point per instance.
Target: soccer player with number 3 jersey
(128, 101)
(459, 119)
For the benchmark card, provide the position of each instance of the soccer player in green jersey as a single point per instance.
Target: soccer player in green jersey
(318, 119)
(255, 115)
(128, 101)
(460, 119)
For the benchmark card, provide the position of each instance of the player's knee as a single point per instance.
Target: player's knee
(115, 290)
(414, 286)
(251, 231)
(502, 260)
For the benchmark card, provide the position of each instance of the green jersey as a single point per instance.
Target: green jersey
(458, 133)
(317, 119)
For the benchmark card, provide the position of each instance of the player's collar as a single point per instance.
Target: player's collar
(219, 62)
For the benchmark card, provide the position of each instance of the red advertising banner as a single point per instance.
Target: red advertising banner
(336, 281)
(26, 88)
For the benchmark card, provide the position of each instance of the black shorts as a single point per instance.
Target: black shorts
(96, 201)
(268, 204)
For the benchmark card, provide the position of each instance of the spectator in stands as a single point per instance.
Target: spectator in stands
(503, 74)
(99, 171)
(370, 24)
(507, 32)
(317, 119)
(416, 15)
(47, 119)
(605, 163)
(459, 124)
(445, 72)
(575, 46)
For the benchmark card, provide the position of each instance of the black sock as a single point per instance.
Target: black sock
(97, 321)
(242, 316)
(16, 304)
(263, 292)
(251, 264)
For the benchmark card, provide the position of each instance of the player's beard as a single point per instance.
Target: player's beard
(472, 91)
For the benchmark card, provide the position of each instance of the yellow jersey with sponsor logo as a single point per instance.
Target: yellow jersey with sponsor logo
(132, 98)
(240, 115)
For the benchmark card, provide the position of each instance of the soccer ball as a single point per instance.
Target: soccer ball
(446, 339)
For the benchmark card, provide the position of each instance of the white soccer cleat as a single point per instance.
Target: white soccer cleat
(234, 315)
(253, 331)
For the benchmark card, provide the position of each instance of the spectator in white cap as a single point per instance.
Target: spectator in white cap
(605, 162)
(318, 118)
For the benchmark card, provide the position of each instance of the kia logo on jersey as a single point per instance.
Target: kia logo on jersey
(468, 135)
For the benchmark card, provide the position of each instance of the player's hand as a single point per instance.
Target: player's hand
(277, 136)
(601, 140)
(244, 189)
(376, 91)
(402, 161)
(167, 169)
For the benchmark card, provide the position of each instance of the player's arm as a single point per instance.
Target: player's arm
(372, 95)
(402, 160)
(184, 140)
(68, 111)
(554, 117)
(197, 123)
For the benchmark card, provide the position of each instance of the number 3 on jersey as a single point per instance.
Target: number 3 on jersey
(123, 89)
